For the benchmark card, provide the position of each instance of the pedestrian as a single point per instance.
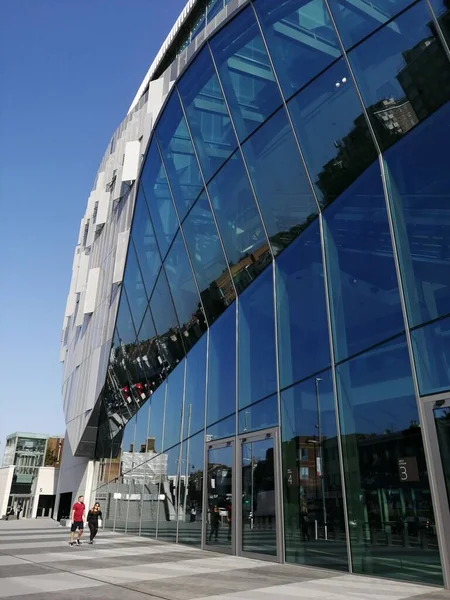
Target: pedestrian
(94, 520)
(193, 514)
(19, 510)
(215, 520)
(78, 513)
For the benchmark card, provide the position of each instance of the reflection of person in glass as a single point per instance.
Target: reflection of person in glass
(229, 515)
(215, 520)
(304, 524)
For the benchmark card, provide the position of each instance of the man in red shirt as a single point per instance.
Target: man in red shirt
(78, 513)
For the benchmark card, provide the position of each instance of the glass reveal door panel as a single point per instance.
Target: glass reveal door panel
(220, 497)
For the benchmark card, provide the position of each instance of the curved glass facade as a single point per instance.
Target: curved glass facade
(288, 273)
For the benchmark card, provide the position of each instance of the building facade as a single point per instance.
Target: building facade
(256, 339)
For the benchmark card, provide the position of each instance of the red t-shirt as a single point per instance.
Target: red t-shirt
(78, 511)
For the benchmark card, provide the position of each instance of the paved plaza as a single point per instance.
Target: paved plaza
(36, 563)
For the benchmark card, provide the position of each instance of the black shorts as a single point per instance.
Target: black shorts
(77, 525)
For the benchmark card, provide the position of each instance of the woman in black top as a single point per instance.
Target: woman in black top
(93, 516)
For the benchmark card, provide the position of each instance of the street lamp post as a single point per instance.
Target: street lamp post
(319, 448)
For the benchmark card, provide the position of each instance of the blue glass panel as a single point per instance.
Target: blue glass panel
(198, 26)
(167, 328)
(207, 114)
(245, 72)
(159, 200)
(213, 9)
(417, 173)
(239, 222)
(356, 20)
(300, 37)
(403, 74)
(431, 346)
(256, 341)
(145, 244)
(184, 292)
(148, 357)
(441, 9)
(337, 149)
(364, 296)
(209, 262)
(178, 156)
(312, 482)
(191, 491)
(222, 429)
(174, 406)
(124, 323)
(303, 339)
(262, 415)
(141, 438)
(195, 392)
(156, 426)
(136, 294)
(380, 433)
(282, 188)
(222, 367)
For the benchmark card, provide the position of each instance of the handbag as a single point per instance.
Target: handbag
(100, 523)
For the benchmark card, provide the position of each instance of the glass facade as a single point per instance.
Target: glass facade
(286, 299)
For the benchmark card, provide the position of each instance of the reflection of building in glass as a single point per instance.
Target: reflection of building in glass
(264, 224)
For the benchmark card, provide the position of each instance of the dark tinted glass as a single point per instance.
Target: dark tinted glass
(280, 181)
(381, 438)
(174, 406)
(313, 503)
(303, 338)
(239, 222)
(403, 74)
(256, 341)
(195, 391)
(432, 354)
(149, 355)
(300, 37)
(208, 259)
(355, 20)
(364, 296)
(222, 367)
(245, 72)
(144, 240)
(178, 156)
(155, 430)
(159, 200)
(442, 11)
(332, 131)
(262, 415)
(184, 292)
(417, 171)
(207, 114)
(191, 491)
(136, 294)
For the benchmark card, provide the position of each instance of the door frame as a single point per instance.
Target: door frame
(437, 478)
(256, 436)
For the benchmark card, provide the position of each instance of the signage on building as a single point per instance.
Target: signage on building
(407, 469)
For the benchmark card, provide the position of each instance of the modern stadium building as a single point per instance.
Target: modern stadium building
(256, 342)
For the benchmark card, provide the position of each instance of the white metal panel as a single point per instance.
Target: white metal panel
(103, 208)
(121, 255)
(81, 232)
(83, 268)
(91, 290)
(80, 313)
(131, 161)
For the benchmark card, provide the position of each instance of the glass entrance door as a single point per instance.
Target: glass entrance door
(442, 422)
(220, 488)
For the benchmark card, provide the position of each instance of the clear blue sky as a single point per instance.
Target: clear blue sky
(69, 70)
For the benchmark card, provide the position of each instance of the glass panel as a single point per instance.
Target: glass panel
(239, 222)
(174, 406)
(159, 200)
(381, 437)
(442, 10)
(213, 9)
(184, 293)
(178, 156)
(313, 503)
(155, 431)
(364, 296)
(403, 74)
(282, 188)
(220, 497)
(222, 429)
(137, 297)
(300, 37)
(245, 72)
(124, 324)
(191, 491)
(195, 391)
(207, 114)
(432, 356)
(442, 421)
(303, 339)
(262, 415)
(171, 345)
(144, 240)
(257, 361)
(222, 368)
(259, 523)
(418, 183)
(168, 504)
(149, 356)
(333, 133)
(126, 465)
(356, 20)
(209, 262)
(141, 438)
